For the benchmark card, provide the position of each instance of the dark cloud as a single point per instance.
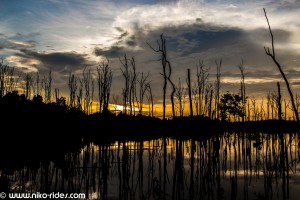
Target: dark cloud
(291, 74)
(18, 41)
(296, 83)
(183, 39)
(131, 42)
(260, 34)
(187, 43)
(199, 40)
(123, 35)
(111, 52)
(58, 61)
(119, 29)
(252, 74)
(16, 44)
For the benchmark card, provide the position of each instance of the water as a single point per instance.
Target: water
(229, 166)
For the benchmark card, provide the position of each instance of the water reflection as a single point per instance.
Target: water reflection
(229, 166)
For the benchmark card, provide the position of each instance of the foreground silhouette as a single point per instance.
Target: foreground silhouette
(44, 132)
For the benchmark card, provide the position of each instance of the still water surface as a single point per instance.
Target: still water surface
(229, 166)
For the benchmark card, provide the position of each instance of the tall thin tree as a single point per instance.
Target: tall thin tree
(125, 72)
(167, 71)
(271, 53)
(218, 86)
(190, 93)
(243, 88)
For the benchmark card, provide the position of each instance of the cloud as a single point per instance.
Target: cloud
(62, 62)
(71, 34)
(15, 44)
(26, 65)
(29, 43)
(111, 52)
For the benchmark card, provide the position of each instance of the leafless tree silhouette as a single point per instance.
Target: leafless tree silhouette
(167, 71)
(104, 76)
(271, 53)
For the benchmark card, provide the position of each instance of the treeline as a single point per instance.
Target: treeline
(39, 131)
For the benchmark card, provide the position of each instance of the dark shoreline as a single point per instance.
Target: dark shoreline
(35, 132)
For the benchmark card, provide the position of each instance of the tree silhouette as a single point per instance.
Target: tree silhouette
(167, 71)
(104, 79)
(271, 53)
(231, 105)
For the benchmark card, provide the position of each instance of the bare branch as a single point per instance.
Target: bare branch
(272, 55)
(272, 37)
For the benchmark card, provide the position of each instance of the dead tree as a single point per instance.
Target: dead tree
(8, 80)
(72, 89)
(104, 84)
(125, 72)
(150, 98)
(180, 95)
(79, 95)
(268, 104)
(48, 87)
(37, 87)
(195, 97)
(190, 92)
(132, 88)
(86, 83)
(167, 71)
(271, 53)
(286, 105)
(207, 99)
(28, 85)
(243, 88)
(202, 77)
(115, 105)
(217, 88)
(143, 86)
(279, 102)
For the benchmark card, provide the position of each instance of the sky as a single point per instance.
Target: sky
(71, 35)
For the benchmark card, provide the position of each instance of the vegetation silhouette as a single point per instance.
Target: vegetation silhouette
(44, 131)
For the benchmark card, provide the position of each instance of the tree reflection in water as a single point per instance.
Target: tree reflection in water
(229, 166)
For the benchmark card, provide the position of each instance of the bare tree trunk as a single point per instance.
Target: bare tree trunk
(190, 93)
(268, 105)
(125, 73)
(271, 53)
(28, 85)
(132, 92)
(37, 85)
(218, 85)
(79, 95)
(180, 95)
(202, 76)
(115, 99)
(47, 87)
(143, 83)
(87, 97)
(243, 89)
(167, 71)
(210, 103)
(8, 79)
(151, 98)
(279, 101)
(104, 84)
(72, 89)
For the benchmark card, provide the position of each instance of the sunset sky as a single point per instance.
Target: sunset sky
(69, 35)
